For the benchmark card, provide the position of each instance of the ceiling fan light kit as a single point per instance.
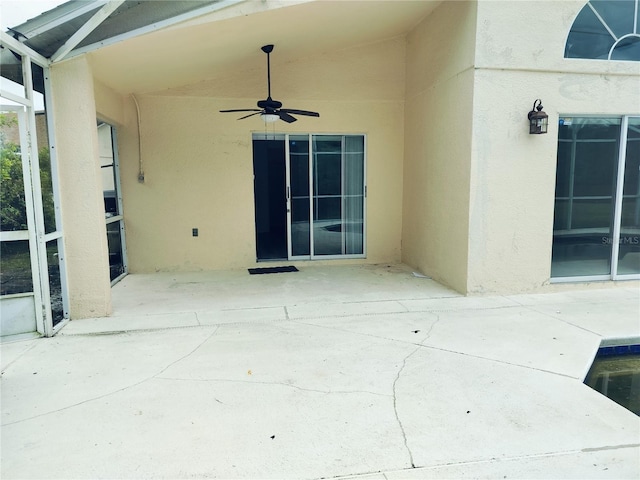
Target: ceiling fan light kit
(269, 117)
(271, 110)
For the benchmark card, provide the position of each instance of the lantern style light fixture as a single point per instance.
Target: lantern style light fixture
(538, 120)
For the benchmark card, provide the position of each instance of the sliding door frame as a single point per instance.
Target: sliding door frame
(617, 213)
(289, 196)
(312, 255)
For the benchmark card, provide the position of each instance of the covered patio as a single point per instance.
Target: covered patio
(365, 371)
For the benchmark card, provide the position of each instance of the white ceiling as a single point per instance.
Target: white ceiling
(228, 42)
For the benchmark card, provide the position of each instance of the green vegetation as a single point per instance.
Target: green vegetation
(13, 214)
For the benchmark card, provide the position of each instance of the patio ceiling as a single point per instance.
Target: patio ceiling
(228, 40)
(212, 47)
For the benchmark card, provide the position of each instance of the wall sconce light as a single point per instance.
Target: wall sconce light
(538, 120)
(269, 117)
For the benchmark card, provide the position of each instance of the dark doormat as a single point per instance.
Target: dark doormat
(258, 271)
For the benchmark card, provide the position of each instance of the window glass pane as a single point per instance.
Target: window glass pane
(563, 169)
(327, 226)
(617, 14)
(114, 240)
(353, 225)
(15, 268)
(602, 23)
(627, 49)
(629, 246)
(107, 166)
(327, 165)
(561, 218)
(594, 213)
(588, 37)
(595, 163)
(328, 175)
(353, 202)
(300, 231)
(585, 194)
(13, 211)
(299, 167)
(299, 172)
(55, 286)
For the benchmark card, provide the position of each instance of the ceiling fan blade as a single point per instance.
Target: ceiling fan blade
(251, 115)
(286, 117)
(241, 110)
(300, 112)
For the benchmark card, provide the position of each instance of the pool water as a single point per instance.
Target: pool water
(615, 373)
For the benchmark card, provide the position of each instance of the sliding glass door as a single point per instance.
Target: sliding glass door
(326, 196)
(324, 193)
(597, 205)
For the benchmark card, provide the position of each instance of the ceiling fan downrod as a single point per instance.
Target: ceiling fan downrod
(268, 49)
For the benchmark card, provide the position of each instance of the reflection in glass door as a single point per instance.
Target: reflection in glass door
(596, 231)
(628, 244)
(298, 192)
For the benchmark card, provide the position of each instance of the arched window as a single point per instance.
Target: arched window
(606, 30)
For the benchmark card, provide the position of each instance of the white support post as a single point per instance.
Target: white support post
(36, 195)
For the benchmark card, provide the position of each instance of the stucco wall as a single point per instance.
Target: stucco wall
(438, 119)
(198, 162)
(109, 104)
(87, 259)
(513, 173)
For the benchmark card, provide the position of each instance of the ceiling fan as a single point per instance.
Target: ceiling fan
(269, 109)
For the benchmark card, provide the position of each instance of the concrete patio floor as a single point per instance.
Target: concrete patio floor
(366, 372)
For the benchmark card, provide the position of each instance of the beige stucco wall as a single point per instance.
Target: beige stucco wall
(110, 105)
(198, 162)
(438, 119)
(87, 260)
(513, 173)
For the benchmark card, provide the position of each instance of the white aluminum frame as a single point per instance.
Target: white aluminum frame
(82, 33)
(617, 215)
(36, 234)
(154, 27)
(30, 233)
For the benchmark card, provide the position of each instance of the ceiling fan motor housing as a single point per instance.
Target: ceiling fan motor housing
(269, 103)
